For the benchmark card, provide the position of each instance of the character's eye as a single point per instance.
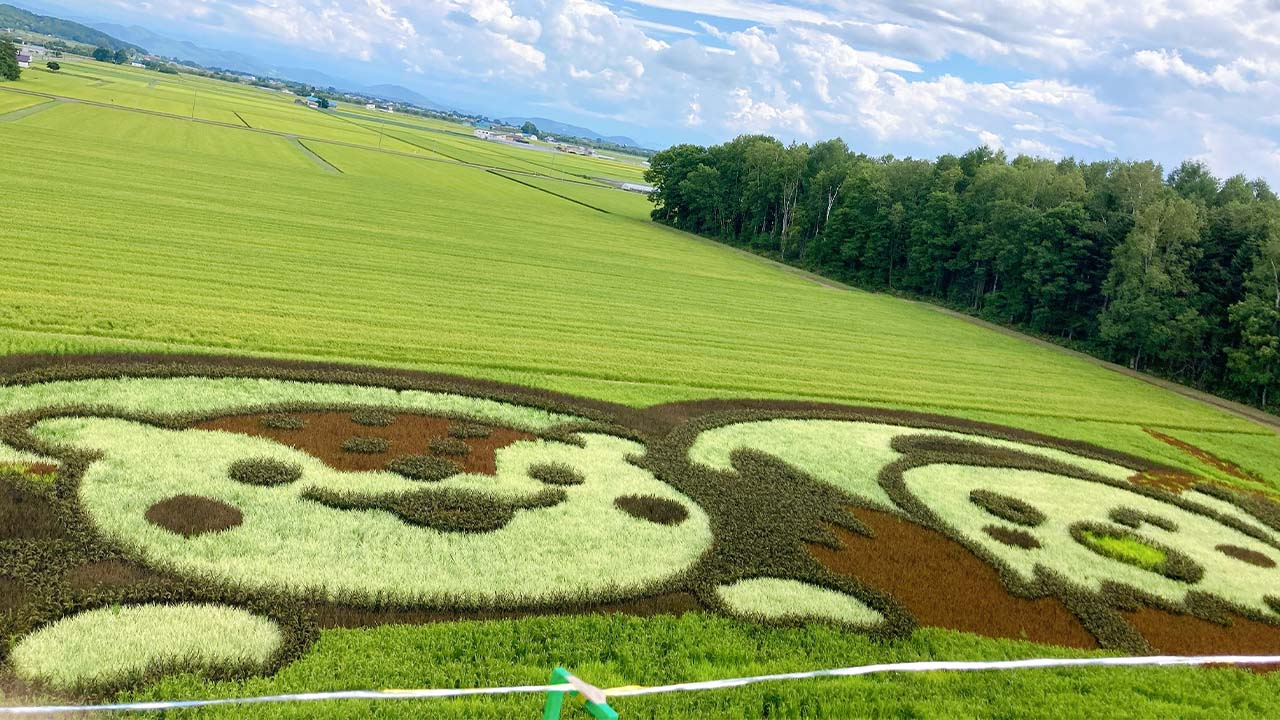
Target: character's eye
(192, 515)
(651, 508)
(1007, 508)
(1013, 537)
(1253, 557)
(1135, 519)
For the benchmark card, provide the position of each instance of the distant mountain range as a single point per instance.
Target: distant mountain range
(404, 95)
(168, 47)
(230, 60)
(555, 127)
(19, 19)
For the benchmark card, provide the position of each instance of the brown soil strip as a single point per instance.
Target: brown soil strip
(1204, 456)
(325, 433)
(30, 468)
(1174, 481)
(944, 585)
(191, 515)
(1187, 635)
(1253, 557)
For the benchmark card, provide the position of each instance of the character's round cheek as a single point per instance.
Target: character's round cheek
(1252, 557)
(654, 509)
(192, 515)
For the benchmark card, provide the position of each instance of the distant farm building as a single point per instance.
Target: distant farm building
(576, 150)
(136, 64)
(370, 106)
(638, 188)
(24, 60)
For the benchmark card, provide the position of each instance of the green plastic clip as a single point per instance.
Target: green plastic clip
(597, 705)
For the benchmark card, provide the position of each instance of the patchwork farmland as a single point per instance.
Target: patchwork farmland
(297, 401)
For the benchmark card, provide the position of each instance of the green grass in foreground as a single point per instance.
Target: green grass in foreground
(612, 651)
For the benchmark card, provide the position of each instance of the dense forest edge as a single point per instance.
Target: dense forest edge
(1177, 276)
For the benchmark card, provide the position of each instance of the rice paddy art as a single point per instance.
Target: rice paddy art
(179, 499)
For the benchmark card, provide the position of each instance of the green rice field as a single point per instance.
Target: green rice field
(413, 246)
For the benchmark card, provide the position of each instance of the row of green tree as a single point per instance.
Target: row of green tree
(119, 57)
(9, 68)
(1176, 275)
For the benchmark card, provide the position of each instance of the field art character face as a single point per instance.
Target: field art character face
(1029, 508)
(234, 516)
(1101, 535)
(536, 520)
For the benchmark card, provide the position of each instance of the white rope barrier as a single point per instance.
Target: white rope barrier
(956, 666)
(293, 698)
(633, 691)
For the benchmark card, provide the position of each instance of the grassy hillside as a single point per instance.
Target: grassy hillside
(133, 232)
(19, 19)
(168, 247)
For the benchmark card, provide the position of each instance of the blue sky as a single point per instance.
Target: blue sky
(1090, 78)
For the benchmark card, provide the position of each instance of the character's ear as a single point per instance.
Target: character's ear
(114, 646)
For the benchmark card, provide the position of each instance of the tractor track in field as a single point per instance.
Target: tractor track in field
(315, 157)
(289, 135)
(549, 192)
(27, 111)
